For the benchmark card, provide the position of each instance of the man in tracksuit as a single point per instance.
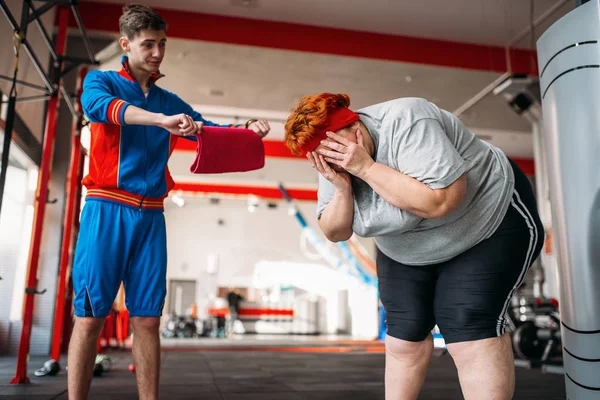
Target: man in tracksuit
(134, 127)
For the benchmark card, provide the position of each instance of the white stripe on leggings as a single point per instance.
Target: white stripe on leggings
(524, 211)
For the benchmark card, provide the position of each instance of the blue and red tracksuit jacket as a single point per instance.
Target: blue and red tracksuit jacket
(128, 163)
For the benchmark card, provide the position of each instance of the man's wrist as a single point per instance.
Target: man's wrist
(158, 119)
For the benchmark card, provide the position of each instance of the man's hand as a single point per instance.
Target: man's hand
(180, 125)
(199, 126)
(261, 128)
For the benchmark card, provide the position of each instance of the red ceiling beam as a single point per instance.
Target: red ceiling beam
(259, 191)
(342, 42)
(277, 149)
(273, 148)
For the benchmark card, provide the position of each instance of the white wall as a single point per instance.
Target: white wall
(345, 303)
(268, 236)
(15, 231)
(194, 237)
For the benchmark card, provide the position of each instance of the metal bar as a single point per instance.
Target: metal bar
(40, 11)
(86, 39)
(11, 20)
(79, 60)
(484, 92)
(68, 69)
(26, 84)
(26, 6)
(46, 38)
(508, 59)
(38, 67)
(74, 62)
(475, 99)
(353, 269)
(8, 129)
(30, 53)
(553, 369)
(538, 21)
(67, 98)
(39, 210)
(28, 99)
(69, 215)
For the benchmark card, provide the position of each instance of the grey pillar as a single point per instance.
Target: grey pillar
(569, 60)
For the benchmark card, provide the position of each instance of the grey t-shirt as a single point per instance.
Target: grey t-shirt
(427, 143)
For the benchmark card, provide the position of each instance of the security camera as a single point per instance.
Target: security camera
(522, 93)
(521, 103)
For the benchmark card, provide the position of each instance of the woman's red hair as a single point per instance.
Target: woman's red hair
(309, 118)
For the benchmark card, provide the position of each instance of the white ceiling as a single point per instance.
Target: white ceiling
(491, 22)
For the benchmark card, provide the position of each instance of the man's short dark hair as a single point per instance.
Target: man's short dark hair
(137, 17)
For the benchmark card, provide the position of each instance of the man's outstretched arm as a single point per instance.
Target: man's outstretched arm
(101, 106)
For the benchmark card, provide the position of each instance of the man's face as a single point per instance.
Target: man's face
(146, 50)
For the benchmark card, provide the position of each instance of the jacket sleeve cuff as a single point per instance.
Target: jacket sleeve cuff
(116, 112)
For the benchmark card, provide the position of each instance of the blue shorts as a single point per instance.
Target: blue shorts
(118, 243)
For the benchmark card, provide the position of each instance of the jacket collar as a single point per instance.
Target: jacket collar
(125, 72)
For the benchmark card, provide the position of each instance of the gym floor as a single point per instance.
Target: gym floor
(343, 371)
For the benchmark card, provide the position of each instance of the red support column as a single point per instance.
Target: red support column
(71, 191)
(67, 323)
(39, 210)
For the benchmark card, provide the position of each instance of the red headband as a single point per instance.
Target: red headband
(336, 119)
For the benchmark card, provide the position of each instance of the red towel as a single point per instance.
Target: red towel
(222, 150)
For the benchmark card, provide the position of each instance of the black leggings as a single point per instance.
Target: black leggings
(467, 296)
